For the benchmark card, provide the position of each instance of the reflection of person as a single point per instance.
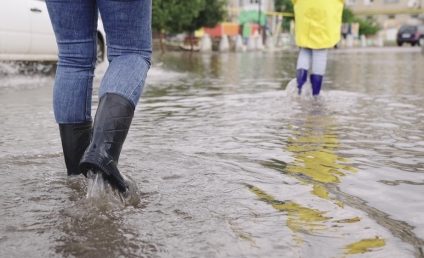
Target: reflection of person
(128, 28)
(317, 28)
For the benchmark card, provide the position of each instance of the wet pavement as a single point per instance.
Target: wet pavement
(229, 163)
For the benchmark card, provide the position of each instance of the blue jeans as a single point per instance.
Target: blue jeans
(317, 58)
(127, 25)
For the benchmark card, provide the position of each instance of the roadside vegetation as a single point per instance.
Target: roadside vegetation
(174, 16)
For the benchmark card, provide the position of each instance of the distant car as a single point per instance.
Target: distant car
(410, 34)
(26, 33)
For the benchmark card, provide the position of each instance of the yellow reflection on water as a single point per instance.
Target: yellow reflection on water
(364, 245)
(314, 147)
(314, 144)
(300, 218)
(320, 191)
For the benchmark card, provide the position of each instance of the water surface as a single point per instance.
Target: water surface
(229, 164)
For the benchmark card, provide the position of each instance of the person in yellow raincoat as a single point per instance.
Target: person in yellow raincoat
(317, 28)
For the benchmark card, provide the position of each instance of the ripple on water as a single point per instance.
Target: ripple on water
(231, 163)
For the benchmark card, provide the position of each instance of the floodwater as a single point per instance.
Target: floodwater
(229, 163)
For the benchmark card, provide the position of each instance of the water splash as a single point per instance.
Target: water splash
(26, 68)
(306, 93)
(25, 75)
(98, 188)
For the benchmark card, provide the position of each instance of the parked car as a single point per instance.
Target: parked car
(26, 33)
(410, 34)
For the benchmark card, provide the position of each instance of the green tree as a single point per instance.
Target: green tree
(182, 13)
(176, 16)
(213, 12)
(285, 6)
(367, 27)
(348, 16)
(159, 19)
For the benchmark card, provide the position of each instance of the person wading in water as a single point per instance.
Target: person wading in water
(317, 28)
(97, 146)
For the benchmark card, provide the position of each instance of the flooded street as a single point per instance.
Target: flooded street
(229, 163)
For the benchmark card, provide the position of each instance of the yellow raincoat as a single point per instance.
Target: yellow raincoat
(317, 23)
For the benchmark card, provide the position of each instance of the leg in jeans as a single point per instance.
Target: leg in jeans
(303, 64)
(74, 23)
(319, 61)
(319, 65)
(128, 31)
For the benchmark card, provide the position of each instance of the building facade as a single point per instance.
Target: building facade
(390, 14)
(236, 7)
(248, 5)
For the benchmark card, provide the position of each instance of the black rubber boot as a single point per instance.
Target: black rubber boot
(316, 81)
(111, 125)
(301, 77)
(75, 139)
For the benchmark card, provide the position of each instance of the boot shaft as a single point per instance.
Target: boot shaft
(316, 82)
(75, 139)
(111, 124)
(301, 78)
